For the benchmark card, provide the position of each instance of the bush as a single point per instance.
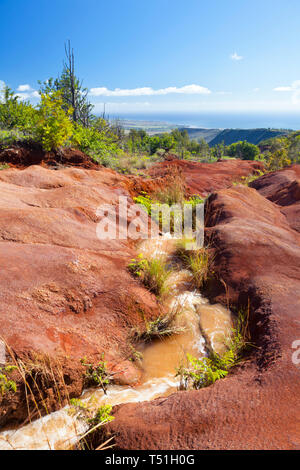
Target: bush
(54, 127)
(15, 114)
(243, 150)
(98, 141)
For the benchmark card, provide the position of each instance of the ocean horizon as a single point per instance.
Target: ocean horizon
(220, 120)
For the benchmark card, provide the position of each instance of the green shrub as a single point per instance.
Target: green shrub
(16, 114)
(54, 126)
(97, 141)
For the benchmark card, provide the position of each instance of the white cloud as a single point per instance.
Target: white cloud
(148, 91)
(25, 92)
(23, 88)
(283, 88)
(23, 96)
(294, 88)
(235, 56)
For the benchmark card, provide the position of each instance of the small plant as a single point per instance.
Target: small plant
(4, 166)
(153, 273)
(164, 325)
(102, 415)
(197, 261)
(203, 372)
(97, 374)
(7, 384)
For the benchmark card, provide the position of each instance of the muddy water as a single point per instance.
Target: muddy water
(200, 324)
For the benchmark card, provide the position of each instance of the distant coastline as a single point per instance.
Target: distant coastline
(283, 121)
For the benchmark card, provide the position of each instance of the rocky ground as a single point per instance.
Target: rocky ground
(65, 294)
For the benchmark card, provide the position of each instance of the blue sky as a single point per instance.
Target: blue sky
(159, 55)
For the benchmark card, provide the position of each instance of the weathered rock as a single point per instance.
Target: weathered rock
(257, 258)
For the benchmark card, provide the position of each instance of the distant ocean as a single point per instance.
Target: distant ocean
(222, 120)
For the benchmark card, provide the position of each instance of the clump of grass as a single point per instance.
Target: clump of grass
(203, 372)
(163, 326)
(153, 273)
(173, 192)
(246, 180)
(6, 383)
(95, 420)
(198, 262)
(98, 374)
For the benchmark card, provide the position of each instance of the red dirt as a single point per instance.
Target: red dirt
(283, 188)
(257, 258)
(65, 294)
(204, 178)
(27, 154)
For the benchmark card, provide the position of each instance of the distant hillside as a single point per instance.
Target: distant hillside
(199, 134)
(254, 136)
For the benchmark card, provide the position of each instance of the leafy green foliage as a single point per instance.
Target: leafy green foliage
(54, 127)
(102, 415)
(6, 383)
(16, 114)
(243, 150)
(205, 371)
(98, 141)
(13, 136)
(85, 411)
(97, 374)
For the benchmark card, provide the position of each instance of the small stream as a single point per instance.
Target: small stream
(198, 319)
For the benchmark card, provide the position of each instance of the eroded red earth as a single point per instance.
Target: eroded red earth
(65, 294)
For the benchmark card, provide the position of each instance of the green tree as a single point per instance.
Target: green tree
(15, 114)
(243, 150)
(54, 126)
(73, 94)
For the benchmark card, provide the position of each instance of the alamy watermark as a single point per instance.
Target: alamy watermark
(2, 353)
(128, 220)
(296, 354)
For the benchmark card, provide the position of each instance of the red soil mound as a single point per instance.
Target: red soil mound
(283, 188)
